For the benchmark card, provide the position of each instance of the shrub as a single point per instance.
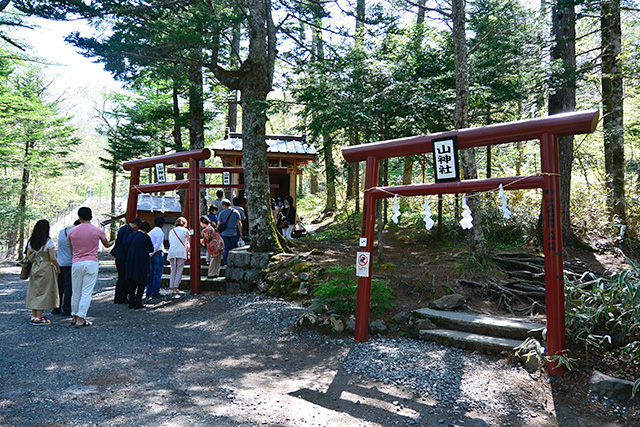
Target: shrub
(605, 312)
(339, 291)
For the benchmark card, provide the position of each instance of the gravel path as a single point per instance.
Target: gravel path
(234, 360)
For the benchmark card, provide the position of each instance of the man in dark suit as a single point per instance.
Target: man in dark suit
(139, 247)
(120, 254)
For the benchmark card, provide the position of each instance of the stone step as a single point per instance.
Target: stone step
(469, 341)
(204, 268)
(482, 324)
(206, 283)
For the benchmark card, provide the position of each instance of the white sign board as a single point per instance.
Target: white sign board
(363, 260)
(445, 160)
(363, 242)
(226, 178)
(160, 172)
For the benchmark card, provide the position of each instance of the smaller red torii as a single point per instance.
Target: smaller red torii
(192, 184)
(547, 130)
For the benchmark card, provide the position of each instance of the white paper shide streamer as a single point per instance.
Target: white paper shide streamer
(428, 222)
(505, 210)
(396, 209)
(467, 220)
(151, 203)
(163, 207)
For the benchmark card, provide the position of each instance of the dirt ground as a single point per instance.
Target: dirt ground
(419, 273)
(229, 360)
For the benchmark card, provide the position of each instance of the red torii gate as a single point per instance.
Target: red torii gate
(193, 196)
(547, 130)
(192, 185)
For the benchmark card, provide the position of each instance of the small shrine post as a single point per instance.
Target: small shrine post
(545, 129)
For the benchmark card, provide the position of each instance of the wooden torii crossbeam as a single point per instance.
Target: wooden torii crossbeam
(545, 129)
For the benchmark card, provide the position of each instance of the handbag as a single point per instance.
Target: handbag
(25, 270)
(282, 222)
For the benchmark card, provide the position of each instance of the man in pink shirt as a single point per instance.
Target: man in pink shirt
(83, 242)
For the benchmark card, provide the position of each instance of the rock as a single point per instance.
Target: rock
(304, 277)
(317, 308)
(316, 252)
(81, 390)
(351, 324)
(377, 326)
(303, 292)
(308, 320)
(529, 354)
(402, 318)
(612, 387)
(447, 302)
(263, 286)
(414, 328)
(336, 324)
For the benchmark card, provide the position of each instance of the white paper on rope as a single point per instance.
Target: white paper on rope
(505, 210)
(428, 222)
(396, 210)
(467, 219)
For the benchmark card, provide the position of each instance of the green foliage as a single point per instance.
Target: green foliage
(563, 360)
(339, 291)
(605, 312)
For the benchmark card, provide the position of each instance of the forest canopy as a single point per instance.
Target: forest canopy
(343, 74)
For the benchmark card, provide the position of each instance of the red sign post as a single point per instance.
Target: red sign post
(545, 129)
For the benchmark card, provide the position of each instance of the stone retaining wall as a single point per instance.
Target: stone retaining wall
(245, 269)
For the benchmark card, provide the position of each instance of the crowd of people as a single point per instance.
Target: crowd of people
(63, 280)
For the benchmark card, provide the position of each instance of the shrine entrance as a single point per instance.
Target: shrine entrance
(545, 129)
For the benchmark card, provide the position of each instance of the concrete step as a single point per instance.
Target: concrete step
(482, 324)
(469, 341)
(206, 283)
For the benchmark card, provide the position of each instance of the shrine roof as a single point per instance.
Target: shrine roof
(278, 144)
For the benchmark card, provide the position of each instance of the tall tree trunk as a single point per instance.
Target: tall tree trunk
(254, 79)
(563, 98)
(476, 235)
(196, 102)
(612, 106)
(196, 115)
(255, 86)
(407, 176)
(177, 128)
(353, 170)
(232, 114)
(314, 187)
(407, 173)
(177, 134)
(330, 173)
(330, 168)
(22, 203)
